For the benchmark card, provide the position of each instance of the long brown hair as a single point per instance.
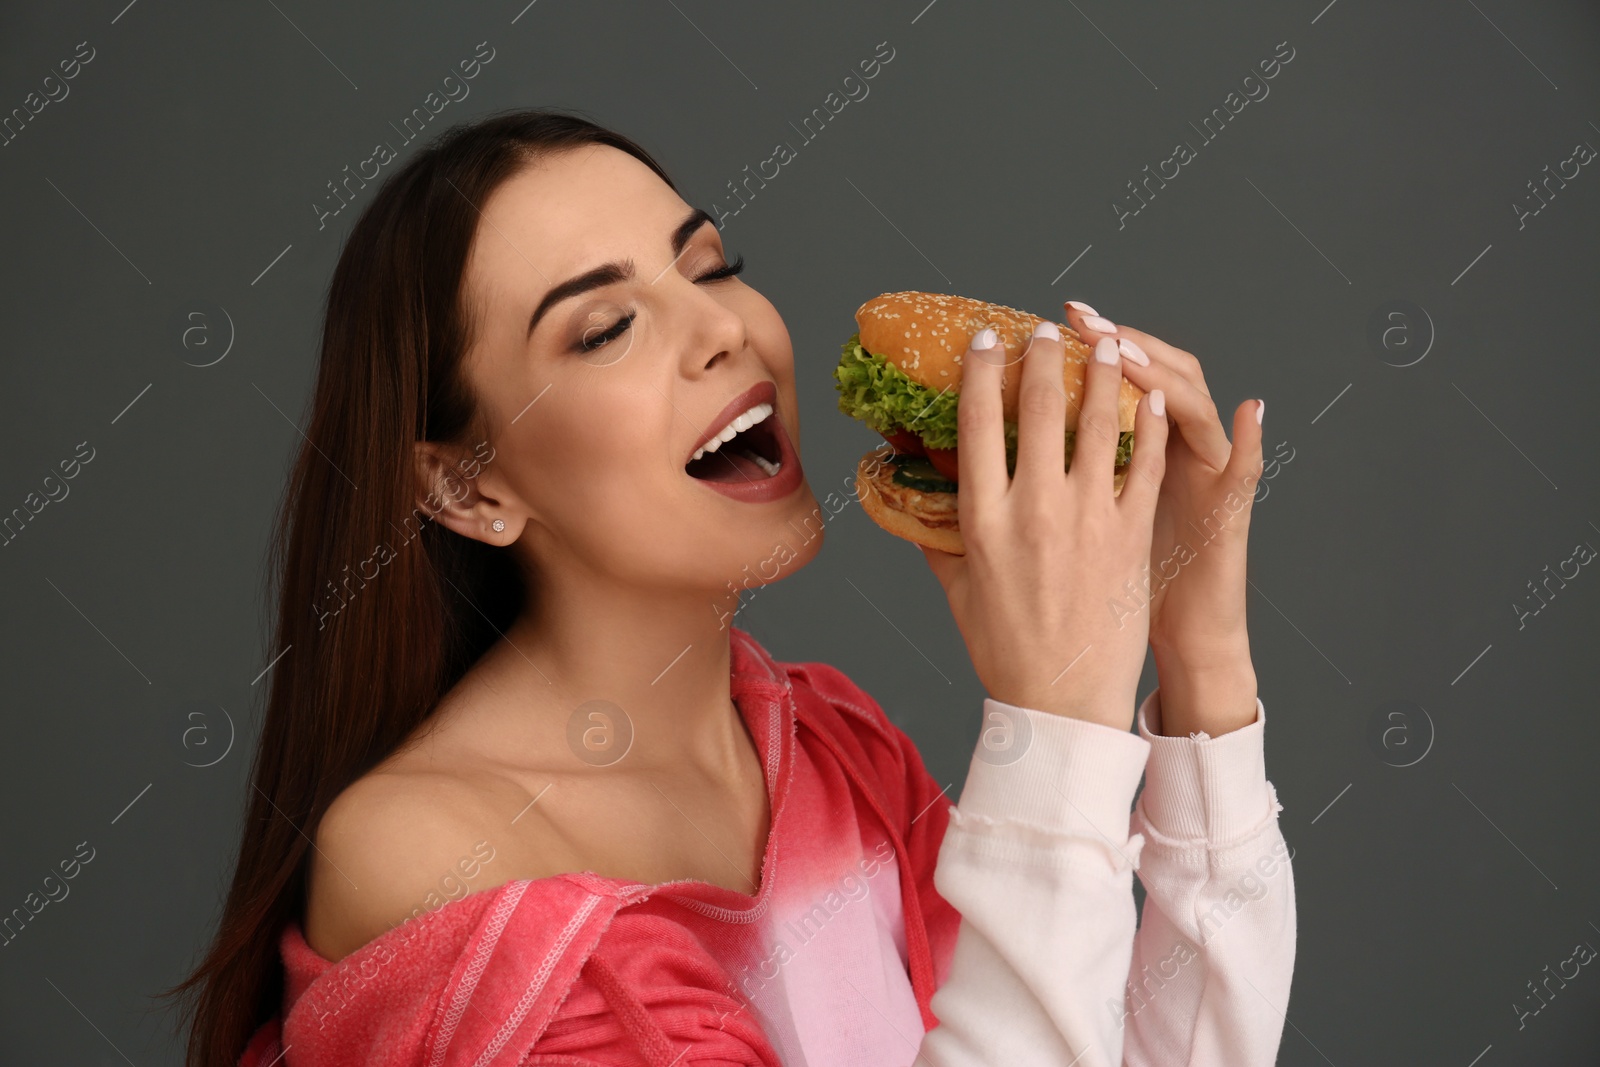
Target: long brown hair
(379, 610)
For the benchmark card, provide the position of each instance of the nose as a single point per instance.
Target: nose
(715, 331)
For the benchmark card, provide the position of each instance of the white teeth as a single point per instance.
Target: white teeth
(765, 464)
(741, 422)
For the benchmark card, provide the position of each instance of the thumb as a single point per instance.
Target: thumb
(946, 566)
(1244, 464)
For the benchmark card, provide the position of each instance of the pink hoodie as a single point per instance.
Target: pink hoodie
(837, 957)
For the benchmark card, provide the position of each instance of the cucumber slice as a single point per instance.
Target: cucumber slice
(915, 472)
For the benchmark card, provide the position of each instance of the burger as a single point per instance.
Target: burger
(900, 373)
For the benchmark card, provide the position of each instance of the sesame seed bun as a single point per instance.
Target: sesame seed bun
(926, 334)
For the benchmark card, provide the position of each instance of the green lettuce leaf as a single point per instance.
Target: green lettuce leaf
(881, 395)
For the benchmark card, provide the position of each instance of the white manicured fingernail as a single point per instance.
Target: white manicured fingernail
(1081, 306)
(1261, 410)
(1133, 352)
(1099, 325)
(987, 347)
(1158, 402)
(1105, 350)
(1046, 328)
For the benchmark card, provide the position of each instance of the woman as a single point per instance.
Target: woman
(522, 796)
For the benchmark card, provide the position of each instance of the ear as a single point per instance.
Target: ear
(450, 492)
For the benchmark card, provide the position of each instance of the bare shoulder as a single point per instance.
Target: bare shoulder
(400, 843)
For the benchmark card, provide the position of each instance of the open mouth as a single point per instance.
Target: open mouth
(746, 450)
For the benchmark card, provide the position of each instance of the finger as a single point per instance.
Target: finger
(980, 430)
(1149, 463)
(1042, 409)
(1137, 347)
(1243, 471)
(1172, 370)
(1095, 450)
(1159, 351)
(1194, 413)
(1089, 324)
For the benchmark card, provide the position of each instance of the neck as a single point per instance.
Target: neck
(661, 657)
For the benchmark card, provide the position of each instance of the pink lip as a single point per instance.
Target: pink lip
(789, 474)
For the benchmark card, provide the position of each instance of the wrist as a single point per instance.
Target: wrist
(1099, 706)
(1217, 656)
(1217, 700)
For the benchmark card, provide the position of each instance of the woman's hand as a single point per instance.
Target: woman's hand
(1049, 551)
(1202, 521)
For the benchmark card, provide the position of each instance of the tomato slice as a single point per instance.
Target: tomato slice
(905, 442)
(944, 461)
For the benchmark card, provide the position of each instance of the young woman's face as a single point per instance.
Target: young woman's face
(638, 351)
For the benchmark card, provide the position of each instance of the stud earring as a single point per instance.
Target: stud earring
(499, 525)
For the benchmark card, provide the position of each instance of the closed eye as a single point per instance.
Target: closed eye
(723, 272)
(591, 340)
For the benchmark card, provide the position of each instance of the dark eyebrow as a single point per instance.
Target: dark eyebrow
(611, 273)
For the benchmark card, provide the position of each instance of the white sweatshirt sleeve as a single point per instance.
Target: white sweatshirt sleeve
(1213, 959)
(1039, 857)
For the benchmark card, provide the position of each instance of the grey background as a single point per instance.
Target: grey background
(1385, 559)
